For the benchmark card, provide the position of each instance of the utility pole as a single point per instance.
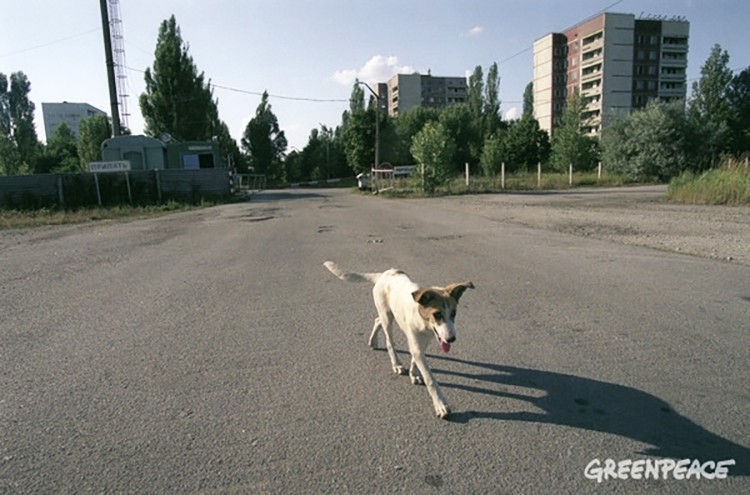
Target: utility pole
(110, 70)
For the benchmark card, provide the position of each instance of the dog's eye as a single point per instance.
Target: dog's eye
(437, 315)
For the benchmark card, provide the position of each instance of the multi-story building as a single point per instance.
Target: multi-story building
(72, 114)
(616, 62)
(406, 91)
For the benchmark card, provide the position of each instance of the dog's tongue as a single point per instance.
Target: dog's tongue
(445, 346)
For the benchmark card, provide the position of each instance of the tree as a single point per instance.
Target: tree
(476, 93)
(60, 155)
(709, 107)
(177, 100)
(569, 144)
(491, 110)
(19, 145)
(407, 125)
(358, 132)
(434, 148)
(649, 144)
(459, 124)
(738, 95)
(528, 100)
(264, 143)
(493, 155)
(92, 132)
(526, 144)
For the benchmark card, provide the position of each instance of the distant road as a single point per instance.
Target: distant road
(211, 352)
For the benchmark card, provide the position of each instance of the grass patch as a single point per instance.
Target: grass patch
(14, 219)
(728, 185)
(411, 187)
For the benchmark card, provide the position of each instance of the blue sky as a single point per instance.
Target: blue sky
(313, 50)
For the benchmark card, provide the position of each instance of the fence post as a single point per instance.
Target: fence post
(539, 175)
(570, 174)
(98, 192)
(158, 185)
(467, 174)
(60, 194)
(127, 184)
(599, 172)
(502, 175)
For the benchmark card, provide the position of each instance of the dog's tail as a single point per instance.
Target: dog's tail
(351, 276)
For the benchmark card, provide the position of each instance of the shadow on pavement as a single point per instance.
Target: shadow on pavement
(598, 406)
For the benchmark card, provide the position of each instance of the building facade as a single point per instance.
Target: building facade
(406, 91)
(71, 114)
(616, 62)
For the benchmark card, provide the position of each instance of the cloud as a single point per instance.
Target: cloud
(378, 69)
(474, 32)
(513, 114)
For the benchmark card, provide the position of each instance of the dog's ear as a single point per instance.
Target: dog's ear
(457, 290)
(424, 296)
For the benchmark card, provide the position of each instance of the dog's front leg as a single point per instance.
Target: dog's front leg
(438, 400)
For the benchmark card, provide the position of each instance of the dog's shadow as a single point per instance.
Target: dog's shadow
(588, 404)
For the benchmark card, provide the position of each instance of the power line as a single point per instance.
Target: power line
(260, 93)
(61, 40)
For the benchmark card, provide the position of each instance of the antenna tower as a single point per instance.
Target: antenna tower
(118, 53)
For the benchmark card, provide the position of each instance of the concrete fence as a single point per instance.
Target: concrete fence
(133, 187)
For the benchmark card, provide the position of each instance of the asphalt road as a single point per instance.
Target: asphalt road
(211, 352)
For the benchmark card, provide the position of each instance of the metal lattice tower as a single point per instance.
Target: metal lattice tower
(118, 53)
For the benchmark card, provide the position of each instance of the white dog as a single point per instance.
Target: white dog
(422, 314)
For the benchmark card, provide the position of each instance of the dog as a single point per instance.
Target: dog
(423, 314)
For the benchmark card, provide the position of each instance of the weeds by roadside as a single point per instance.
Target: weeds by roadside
(13, 219)
(411, 186)
(728, 185)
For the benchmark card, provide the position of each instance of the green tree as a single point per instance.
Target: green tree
(493, 155)
(569, 144)
(60, 155)
(358, 132)
(458, 123)
(434, 148)
(19, 145)
(491, 108)
(407, 125)
(92, 132)
(476, 93)
(264, 143)
(528, 100)
(739, 118)
(177, 99)
(709, 107)
(649, 144)
(526, 144)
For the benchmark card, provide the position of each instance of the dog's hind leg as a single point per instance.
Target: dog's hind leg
(373, 342)
(414, 375)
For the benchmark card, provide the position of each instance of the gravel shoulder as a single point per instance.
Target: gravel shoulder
(634, 215)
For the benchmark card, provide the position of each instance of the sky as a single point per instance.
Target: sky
(307, 54)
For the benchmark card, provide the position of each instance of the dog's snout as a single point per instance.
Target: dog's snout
(451, 339)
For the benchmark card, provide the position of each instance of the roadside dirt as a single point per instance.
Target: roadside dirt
(635, 215)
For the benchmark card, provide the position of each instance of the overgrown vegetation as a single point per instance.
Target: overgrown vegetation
(728, 185)
(15, 219)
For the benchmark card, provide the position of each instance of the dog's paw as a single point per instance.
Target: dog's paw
(399, 370)
(442, 410)
(416, 379)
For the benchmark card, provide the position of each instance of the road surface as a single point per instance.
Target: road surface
(211, 352)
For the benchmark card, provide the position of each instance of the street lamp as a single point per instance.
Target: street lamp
(377, 122)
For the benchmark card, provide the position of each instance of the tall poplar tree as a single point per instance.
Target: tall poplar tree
(264, 143)
(19, 145)
(177, 99)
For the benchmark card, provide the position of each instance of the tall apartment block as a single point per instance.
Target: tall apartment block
(71, 114)
(406, 91)
(617, 63)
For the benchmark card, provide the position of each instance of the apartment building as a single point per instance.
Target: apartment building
(71, 114)
(616, 62)
(406, 91)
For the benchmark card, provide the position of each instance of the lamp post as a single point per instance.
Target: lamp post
(377, 122)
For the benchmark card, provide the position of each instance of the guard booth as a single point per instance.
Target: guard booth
(147, 153)
(143, 152)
